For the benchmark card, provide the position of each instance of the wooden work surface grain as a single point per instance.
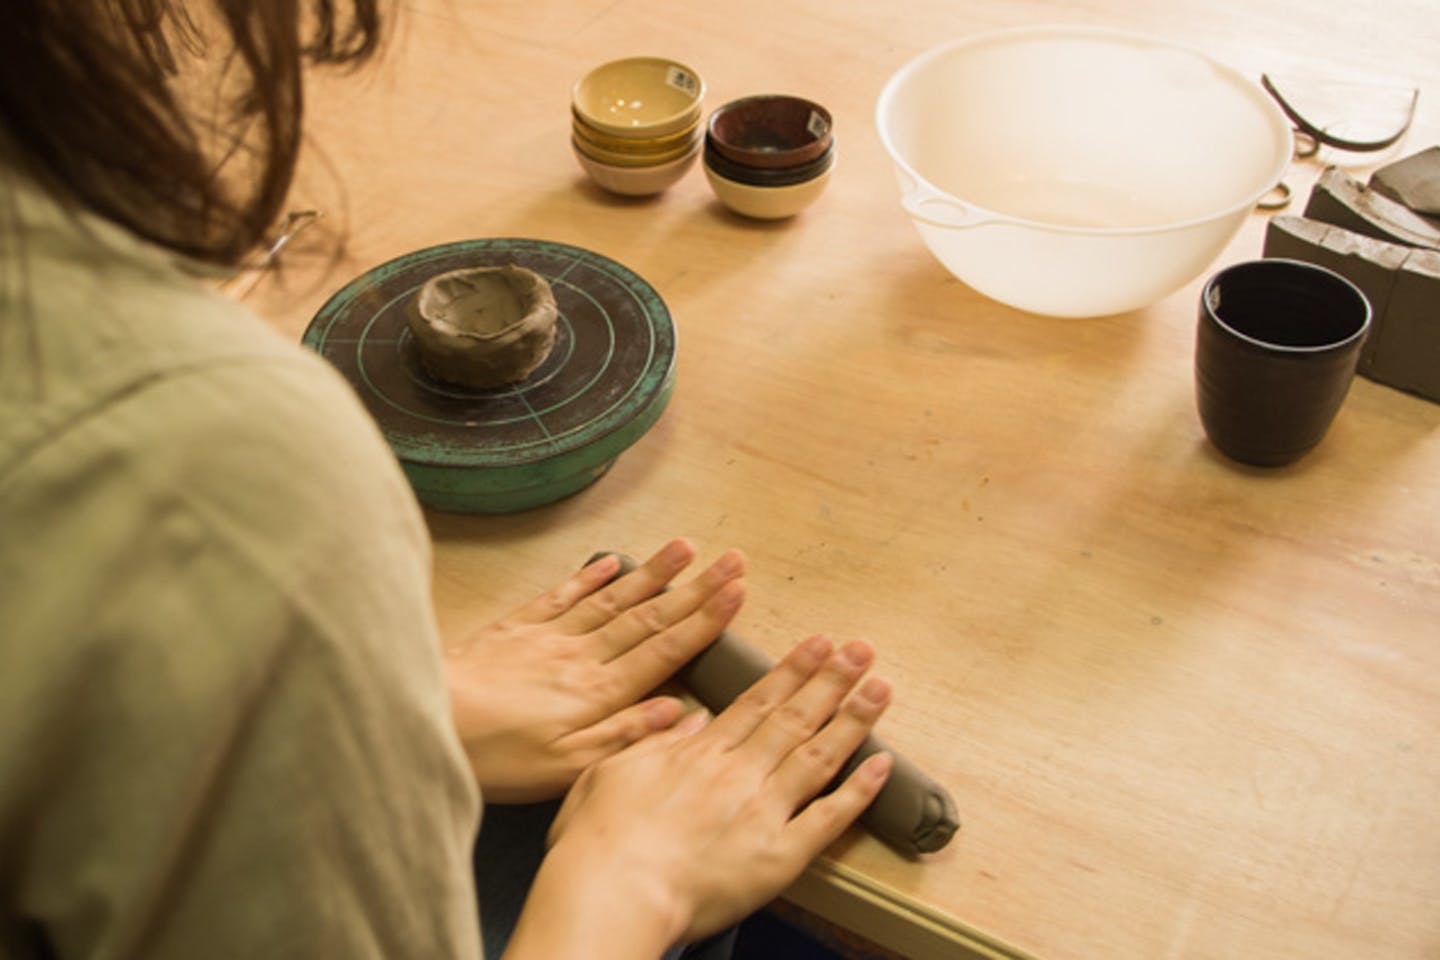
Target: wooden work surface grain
(1186, 709)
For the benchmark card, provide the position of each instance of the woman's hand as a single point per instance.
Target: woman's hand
(557, 685)
(689, 830)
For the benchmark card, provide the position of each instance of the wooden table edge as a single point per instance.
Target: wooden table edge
(845, 897)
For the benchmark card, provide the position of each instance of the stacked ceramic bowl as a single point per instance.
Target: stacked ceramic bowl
(769, 156)
(636, 123)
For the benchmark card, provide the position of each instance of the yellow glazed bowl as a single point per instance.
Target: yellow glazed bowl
(636, 158)
(602, 141)
(631, 160)
(767, 203)
(641, 181)
(639, 97)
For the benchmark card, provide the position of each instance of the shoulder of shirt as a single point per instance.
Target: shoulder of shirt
(92, 320)
(154, 393)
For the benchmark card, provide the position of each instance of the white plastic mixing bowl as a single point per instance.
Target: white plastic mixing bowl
(1074, 171)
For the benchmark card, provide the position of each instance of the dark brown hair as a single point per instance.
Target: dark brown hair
(179, 121)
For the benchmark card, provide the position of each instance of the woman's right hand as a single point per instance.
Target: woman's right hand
(565, 681)
(689, 830)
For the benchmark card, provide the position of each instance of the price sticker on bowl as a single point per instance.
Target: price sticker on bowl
(682, 80)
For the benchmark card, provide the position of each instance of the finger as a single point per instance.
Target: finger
(655, 660)
(559, 600)
(813, 764)
(797, 719)
(650, 619)
(601, 606)
(751, 708)
(822, 821)
(689, 725)
(620, 730)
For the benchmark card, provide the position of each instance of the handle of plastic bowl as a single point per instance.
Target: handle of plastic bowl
(930, 206)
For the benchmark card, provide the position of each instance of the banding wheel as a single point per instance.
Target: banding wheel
(603, 385)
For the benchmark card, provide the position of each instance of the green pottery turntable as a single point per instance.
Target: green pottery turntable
(603, 385)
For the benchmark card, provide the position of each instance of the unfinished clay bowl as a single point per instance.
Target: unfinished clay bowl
(483, 327)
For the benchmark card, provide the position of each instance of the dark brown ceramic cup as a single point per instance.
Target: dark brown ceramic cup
(1275, 352)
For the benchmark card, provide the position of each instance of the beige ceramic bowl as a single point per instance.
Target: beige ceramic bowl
(637, 181)
(622, 158)
(767, 203)
(639, 97)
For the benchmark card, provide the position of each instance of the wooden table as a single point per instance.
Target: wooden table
(1187, 709)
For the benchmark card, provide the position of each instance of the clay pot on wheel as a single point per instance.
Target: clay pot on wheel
(484, 327)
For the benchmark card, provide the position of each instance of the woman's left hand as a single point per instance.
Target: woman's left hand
(558, 685)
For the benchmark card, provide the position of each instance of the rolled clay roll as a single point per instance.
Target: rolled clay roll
(912, 813)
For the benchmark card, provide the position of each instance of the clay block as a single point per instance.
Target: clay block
(1368, 263)
(1408, 355)
(1413, 181)
(1343, 201)
(1402, 284)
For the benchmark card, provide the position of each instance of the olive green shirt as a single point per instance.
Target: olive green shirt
(223, 724)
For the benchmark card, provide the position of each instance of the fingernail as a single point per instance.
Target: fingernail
(606, 565)
(693, 723)
(877, 767)
(875, 690)
(730, 563)
(858, 654)
(662, 714)
(816, 648)
(676, 553)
